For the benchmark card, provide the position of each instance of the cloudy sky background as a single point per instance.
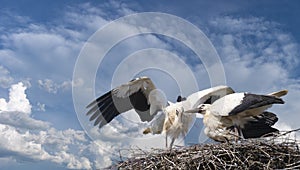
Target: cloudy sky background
(258, 44)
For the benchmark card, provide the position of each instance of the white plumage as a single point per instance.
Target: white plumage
(151, 105)
(245, 112)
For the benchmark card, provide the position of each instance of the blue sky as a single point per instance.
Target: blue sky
(40, 41)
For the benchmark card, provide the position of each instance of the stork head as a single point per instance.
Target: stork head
(179, 111)
(201, 109)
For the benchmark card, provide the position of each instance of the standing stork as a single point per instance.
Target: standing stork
(177, 121)
(243, 112)
(150, 104)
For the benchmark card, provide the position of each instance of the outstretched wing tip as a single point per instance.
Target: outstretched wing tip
(128, 96)
(90, 104)
(252, 101)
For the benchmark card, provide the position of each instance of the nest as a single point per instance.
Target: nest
(272, 153)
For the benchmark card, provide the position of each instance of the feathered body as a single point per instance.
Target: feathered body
(240, 110)
(177, 123)
(151, 105)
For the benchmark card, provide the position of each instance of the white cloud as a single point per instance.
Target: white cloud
(51, 87)
(5, 78)
(22, 120)
(18, 143)
(259, 57)
(37, 50)
(51, 51)
(253, 54)
(287, 132)
(41, 107)
(52, 145)
(17, 100)
(48, 85)
(254, 40)
(25, 138)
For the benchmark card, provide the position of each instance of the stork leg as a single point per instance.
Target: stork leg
(238, 133)
(166, 141)
(171, 144)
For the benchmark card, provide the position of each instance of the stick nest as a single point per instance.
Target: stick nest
(271, 153)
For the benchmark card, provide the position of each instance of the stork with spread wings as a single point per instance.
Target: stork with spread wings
(150, 104)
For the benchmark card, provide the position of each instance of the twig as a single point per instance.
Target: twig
(264, 153)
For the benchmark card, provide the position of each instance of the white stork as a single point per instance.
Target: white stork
(141, 95)
(243, 112)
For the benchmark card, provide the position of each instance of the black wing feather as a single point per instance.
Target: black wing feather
(261, 126)
(141, 106)
(251, 101)
(106, 107)
(180, 99)
(211, 99)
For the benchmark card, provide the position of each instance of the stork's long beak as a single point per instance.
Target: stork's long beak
(196, 110)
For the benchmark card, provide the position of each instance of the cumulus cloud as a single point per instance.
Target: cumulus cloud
(52, 145)
(22, 120)
(26, 138)
(256, 54)
(17, 100)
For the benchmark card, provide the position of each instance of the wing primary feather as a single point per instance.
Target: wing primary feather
(254, 130)
(99, 119)
(121, 99)
(251, 101)
(100, 105)
(95, 115)
(102, 112)
(104, 118)
(269, 118)
(261, 126)
(108, 94)
(100, 108)
(111, 113)
(93, 109)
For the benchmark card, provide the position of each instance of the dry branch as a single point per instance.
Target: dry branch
(264, 153)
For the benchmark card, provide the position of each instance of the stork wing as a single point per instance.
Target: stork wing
(132, 95)
(260, 126)
(208, 96)
(252, 101)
